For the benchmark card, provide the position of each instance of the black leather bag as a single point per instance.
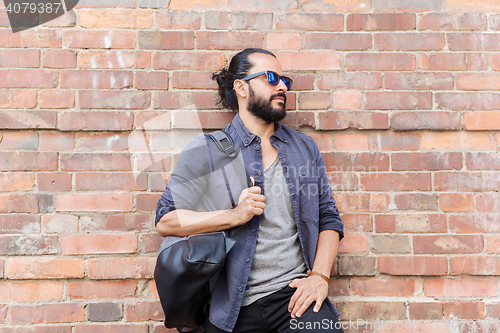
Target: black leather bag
(184, 269)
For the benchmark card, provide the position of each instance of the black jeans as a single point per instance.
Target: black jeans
(270, 315)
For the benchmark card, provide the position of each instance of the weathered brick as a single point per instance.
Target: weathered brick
(385, 287)
(475, 265)
(95, 39)
(151, 80)
(357, 222)
(19, 224)
(406, 6)
(473, 42)
(88, 202)
(362, 202)
(482, 120)
(314, 100)
(28, 78)
(297, 120)
(457, 141)
(97, 162)
(109, 4)
(173, 20)
(111, 142)
(466, 181)
(395, 141)
(166, 40)
(419, 120)
(197, 120)
(15, 99)
(455, 202)
(108, 181)
(16, 181)
(412, 265)
(45, 203)
(115, 18)
(19, 141)
(194, 80)
(52, 20)
(426, 161)
(453, 22)
(59, 58)
(88, 79)
(412, 223)
(444, 244)
(96, 121)
(57, 141)
(398, 100)
(179, 99)
(409, 42)
(102, 289)
(28, 161)
(452, 61)
(483, 161)
(95, 99)
(306, 21)
(488, 202)
(19, 58)
(416, 201)
(60, 223)
(396, 181)
(31, 38)
(98, 244)
(380, 61)
(105, 311)
(284, 41)
(151, 242)
(342, 181)
(350, 80)
(357, 120)
(309, 61)
(114, 59)
(146, 202)
(42, 268)
(464, 310)
(47, 313)
(493, 244)
(460, 288)
(355, 243)
(18, 203)
(494, 310)
(339, 161)
(144, 310)
(43, 291)
(342, 6)
(57, 99)
(371, 311)
(475, 223)
(113, 328)
(346, 100)
(351, 142)
(211, 40)
(182, 5)
(374, 22)
(478, 81)
(390, 244)
(28, 245)
(426, 311)
(356, 266)
(188, 60)
(266, 5)
(121, 268)
(338, 41)
(26, 119)
(418, 81)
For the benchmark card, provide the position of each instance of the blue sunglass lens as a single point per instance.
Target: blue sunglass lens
(272, 78)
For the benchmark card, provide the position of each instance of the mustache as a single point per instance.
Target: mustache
(280, 94)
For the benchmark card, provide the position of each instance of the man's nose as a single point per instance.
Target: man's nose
(281, 86)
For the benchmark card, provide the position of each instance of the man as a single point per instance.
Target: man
(276, 277)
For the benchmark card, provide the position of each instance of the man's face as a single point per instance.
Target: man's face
(266, 101)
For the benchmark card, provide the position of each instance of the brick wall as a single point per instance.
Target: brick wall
(401, 97)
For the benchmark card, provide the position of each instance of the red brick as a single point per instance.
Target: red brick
(351, 142)
(153, 120)
(338, 41)
(96, 121)
(466, 181)
(305, 21)
(43, 291)
(370, 311)
(347, 100)
(444, 244)
(395, 141)
(19, 224)
(475, 223)
(350, 80)
(356, 161)
(28, 161)
(95, 99)
(494, 310)
(19, 141)
(228, 40)
(460, 288)
(114, 59)
(144, 310)
(15, 99)
(151, 243)
(47, 313)
(179, 99)
(416, 201)
(457, 141)
(16, 181)
(425, 311)
(57, 99)
(113, 328)
(409, 42)
(59, 59)
(455, 202)
(98, 244)
(426, 161)
(188, 60)
(27, 119)
(266, 5)
(314, 100)
(343, 6)
(453, 22)
(350, 119)
(385, 287)
(182, 5)
(380, 61)
(194, 80)
(121, 222)
(28, 245)
(433, 120)
(390, 244)
(60, 223)
(396, 182)
(57, 141)
(284, 41)
(66, 20)
(398, 100)
(464, 310)
(412, 265)
(166, 40)
(107, 181)
(95, 39)
(19, 58)
(488, 202)
(357, 222)
(356, 266)
(18, 203)
(362, 202)
(478, 81)
(483, 161)
(354, 243)
(170, 20)
(85, 290)
(482, 120)
(495, 62)
(405, 6)
(134, 141)
(86, 79)
(475, 265)
(42, 268)
(28, 78)
(418, 81)
(160, 162)
(412, 223)
(97, 162)
(121, 268)
(53, 182)
(297, 120)
(343, 181)
(88, 202)
(31, 38)
(115, 18)
(493, 244)
(309, 61)
(473, 41)
(452, 61)
(151, 80)
(374, 22)
(146, 202)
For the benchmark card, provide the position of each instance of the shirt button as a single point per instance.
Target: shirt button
(247, 260)
(254, 230)
(258, 148)
(246, 142)
(259, 174)
(240, 289)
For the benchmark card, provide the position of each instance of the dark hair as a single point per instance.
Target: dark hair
(238, 69)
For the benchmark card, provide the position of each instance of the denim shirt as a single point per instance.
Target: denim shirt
(311, 196)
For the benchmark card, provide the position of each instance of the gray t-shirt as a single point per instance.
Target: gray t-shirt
(278, 255)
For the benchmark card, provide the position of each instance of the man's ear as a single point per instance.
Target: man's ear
(241, 88)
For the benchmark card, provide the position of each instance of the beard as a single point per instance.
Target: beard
(262, 109)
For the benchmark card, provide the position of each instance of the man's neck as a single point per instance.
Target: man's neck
(256, 125)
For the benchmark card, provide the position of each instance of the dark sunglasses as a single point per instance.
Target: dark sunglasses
(272, 77)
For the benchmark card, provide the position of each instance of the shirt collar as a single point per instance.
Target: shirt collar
(247, 137)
